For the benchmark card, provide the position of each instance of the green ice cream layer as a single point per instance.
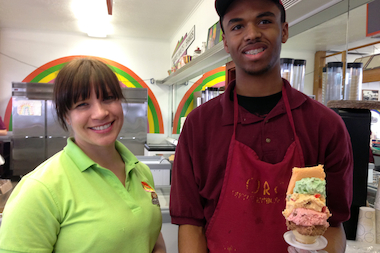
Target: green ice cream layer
(310, 185)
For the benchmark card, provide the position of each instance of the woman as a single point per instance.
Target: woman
(94, 195)
(3, 129)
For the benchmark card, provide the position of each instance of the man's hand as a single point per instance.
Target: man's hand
(292, 249)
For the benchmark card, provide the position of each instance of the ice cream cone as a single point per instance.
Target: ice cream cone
(307, 239)
(306, 212)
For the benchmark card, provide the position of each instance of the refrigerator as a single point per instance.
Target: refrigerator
(37, 136)
(30, 122)
(133, 134)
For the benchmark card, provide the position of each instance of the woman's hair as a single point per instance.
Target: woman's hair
(76, 80)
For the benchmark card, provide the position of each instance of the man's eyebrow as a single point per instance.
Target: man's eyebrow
(261, 15)
(234, 20)
(266, 14)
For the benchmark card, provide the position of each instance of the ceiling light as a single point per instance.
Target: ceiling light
(93, 17)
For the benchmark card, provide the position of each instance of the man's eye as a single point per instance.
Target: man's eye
(264, 22)
(237, 27)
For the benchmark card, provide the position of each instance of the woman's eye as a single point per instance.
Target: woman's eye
(80, 105)
(109, 98)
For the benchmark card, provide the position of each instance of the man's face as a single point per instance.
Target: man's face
(253, 34)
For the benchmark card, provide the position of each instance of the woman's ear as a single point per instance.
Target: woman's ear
(68, 122)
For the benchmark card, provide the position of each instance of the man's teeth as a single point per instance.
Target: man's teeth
(102, 127)
(254, 51)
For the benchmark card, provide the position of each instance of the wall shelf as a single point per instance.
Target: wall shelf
(209, 60)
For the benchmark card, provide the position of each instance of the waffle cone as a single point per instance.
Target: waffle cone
(307, 239)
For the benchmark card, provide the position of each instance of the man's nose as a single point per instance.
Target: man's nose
(252, 32)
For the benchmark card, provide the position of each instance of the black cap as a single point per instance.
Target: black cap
(354, 65)
(221, 6)
(286, 60)
(336, 64)
(299, 62)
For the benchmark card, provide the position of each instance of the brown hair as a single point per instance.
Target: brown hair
(75, 81)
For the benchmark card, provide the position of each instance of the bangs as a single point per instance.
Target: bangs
(76, 80)
(97, 77)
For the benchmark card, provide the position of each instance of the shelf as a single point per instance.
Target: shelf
(371, 75)
(353, 104)
(209, 60)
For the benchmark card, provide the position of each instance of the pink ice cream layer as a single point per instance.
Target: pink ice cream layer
(308, 217)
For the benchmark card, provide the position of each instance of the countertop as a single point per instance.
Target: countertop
(353, 104)
(358, 247)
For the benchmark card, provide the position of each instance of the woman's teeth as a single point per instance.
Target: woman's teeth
(101, 127)
(254, 51)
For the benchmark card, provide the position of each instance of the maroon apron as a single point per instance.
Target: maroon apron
(248, 216)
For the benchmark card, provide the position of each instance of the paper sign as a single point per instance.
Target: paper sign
(29, 107)
(186, 42)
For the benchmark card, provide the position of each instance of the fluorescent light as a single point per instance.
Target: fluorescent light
(93, 17)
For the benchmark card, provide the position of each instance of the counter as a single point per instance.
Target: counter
(357, 117)
(163, 193)
(357, 247)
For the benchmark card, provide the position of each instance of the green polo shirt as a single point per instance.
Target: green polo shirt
(71, 204)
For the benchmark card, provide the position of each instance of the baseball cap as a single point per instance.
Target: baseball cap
(221, 6)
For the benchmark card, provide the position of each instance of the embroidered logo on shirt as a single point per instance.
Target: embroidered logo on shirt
(147, 187)
(154, 195)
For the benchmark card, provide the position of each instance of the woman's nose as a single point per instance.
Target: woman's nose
(99, 110)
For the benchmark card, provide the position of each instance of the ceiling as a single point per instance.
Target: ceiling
(161, 19)
(333, 34)
(149, 19)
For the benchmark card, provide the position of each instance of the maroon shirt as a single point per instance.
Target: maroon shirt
(2, 125)
(201, 154)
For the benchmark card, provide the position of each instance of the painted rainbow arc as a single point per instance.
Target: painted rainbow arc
(212, 78)
(48, 72)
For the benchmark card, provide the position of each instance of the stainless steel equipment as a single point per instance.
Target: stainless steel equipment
(133, 134)
(29, 123)
(37, 135)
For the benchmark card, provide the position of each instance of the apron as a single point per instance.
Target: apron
(248, 217)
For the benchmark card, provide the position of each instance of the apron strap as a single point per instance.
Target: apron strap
(291, 120)
(289, 111)
(236, 111)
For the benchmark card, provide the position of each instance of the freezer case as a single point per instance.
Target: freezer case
(56, 136)
(28, 144)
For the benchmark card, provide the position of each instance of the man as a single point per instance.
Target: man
(235, 154)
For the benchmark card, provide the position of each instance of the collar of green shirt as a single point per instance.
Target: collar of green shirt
(83, 162)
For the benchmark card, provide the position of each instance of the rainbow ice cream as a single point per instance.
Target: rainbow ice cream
(306, 212)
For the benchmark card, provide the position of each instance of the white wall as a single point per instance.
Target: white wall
(203, 17)
(24, 51)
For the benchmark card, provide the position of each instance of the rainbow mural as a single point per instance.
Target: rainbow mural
(213, 78)
(48, 72)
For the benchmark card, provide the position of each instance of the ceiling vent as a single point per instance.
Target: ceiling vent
(289, 3)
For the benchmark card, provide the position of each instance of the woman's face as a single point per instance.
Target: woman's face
(96, 122)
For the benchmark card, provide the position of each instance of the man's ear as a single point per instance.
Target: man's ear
(225, 44)
(285, 32)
